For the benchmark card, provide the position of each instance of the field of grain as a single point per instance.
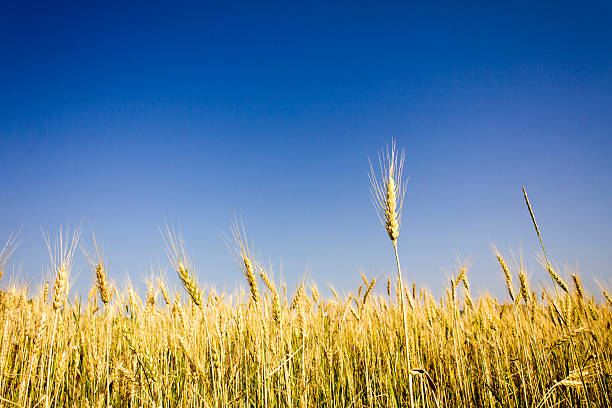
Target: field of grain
(271, 346)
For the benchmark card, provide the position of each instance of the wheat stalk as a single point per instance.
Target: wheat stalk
(387, 194)
(555, 277)
(61, 255)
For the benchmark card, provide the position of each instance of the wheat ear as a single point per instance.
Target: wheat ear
(556, 278)
(102, 284)
(578, 285)
(607, 296)
(163, 291)
(276, 313)
(506, 270)
(524, 285)
(239, 246)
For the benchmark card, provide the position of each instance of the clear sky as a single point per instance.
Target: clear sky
(126, 115)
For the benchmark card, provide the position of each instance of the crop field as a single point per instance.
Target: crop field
(390, 343)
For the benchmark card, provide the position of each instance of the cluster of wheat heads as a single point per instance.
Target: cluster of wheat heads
(265, 346)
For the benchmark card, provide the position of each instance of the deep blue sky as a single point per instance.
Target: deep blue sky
(128, 115)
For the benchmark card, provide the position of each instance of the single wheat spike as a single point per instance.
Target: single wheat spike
(387, 194)
(355, 314)
(389, 287)
(189, 283)
(243, 254)
(251, 279)
(315, 294)
(150, 303)
(506, 271)
(607, 297)
(276, 310)
(266, 279)
(275, 299)
(578, 285)
(131, 299)
(410, 301)
(370, 286)
(392, 224)
(535, 224)
(592, 311)
(175, 249)
(461, 277)
(163, 290)
(299, 293)
(59, 287)
(61, 258)
(45, 292)
(466, 284)
(555, 277)
(335, 294)
(524, 285)
(102, 284)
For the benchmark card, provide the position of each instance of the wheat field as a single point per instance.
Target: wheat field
(390, 343)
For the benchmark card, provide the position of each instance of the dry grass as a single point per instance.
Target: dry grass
(268, 348)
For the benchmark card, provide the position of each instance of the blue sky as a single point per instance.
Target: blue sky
(128, 115)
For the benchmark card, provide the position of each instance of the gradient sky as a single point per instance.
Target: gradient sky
(128, 115)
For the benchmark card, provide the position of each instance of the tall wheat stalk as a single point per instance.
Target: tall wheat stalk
(388, 198)
(98, 263)
(553, 274)
(62, 254)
